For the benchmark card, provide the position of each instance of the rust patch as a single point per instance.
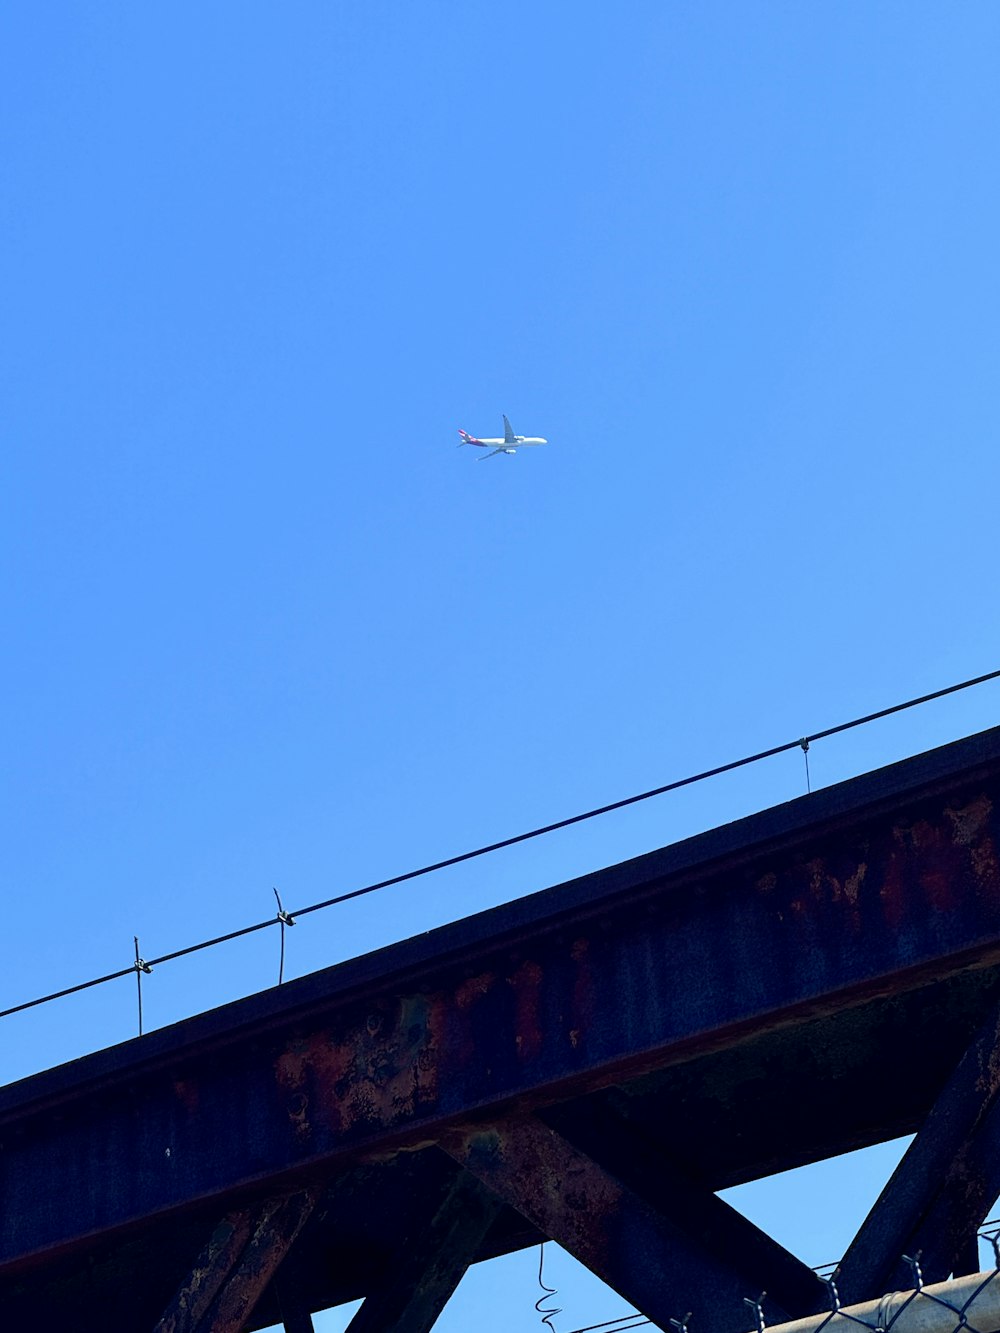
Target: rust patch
(582, 1003)
(816, 870)
(473, 989)
(526, 983)
(853, 884)
(188, 1094)
(986, 866)
(377, 1074)
(919, 836)
(930, 864)
(971, 822)
(302, 1068)
(972, 828)
(552, 1183)
(892, 888)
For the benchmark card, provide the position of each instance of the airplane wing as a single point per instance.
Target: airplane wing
(508, 435)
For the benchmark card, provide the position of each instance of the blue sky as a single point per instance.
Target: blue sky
(266, 625)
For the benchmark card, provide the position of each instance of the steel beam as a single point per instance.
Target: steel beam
(294, 1314)
(431, 1262)
(784, 943)
(238, 1262)
(651, 1257)
(939, 1194)
(216, 1262)
(297, 1320)
(619, 1145)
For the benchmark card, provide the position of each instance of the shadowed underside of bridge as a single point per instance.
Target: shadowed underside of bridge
(590, 1063)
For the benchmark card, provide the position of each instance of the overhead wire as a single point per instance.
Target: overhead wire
(619, 1325)
(281, 918)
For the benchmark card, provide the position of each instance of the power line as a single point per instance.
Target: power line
(281, 919)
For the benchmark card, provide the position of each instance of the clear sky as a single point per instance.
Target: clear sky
(265, 625)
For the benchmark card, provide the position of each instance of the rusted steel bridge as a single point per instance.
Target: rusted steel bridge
(590, 1063)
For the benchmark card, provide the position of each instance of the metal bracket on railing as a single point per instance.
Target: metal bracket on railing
(804, 742)
(757, 1307)
(915, 1269)
(284, 919)
(140, 966)
(831, 1286)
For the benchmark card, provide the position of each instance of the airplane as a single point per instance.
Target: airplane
(508, 445)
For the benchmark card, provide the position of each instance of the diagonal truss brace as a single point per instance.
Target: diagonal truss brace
(939, 1194)
(646, 1252)
(431, 1262)
(604, 1130)
(236, 1265)
(293, 1311)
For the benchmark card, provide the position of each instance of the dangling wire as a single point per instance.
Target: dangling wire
(804, 742)
(283, 920)
(140, 966)
(547, 1315)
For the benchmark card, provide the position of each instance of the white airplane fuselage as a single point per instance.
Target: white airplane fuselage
(511, 445)
(508, 443)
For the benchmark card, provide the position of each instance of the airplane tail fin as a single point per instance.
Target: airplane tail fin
(467, 438)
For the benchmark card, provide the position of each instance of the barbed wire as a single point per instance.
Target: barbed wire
(966, 1304)
(283, 918)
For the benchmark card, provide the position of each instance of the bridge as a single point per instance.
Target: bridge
(589, 1064)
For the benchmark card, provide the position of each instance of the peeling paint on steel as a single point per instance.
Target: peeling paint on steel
(588, 992)
(378, 1073)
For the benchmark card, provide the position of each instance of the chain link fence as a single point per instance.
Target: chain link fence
(969, 1304)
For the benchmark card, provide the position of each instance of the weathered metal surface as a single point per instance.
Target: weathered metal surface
(296, 1319)
(240, 1259)
(293, 1306)
(778, 949)
(646, 1253)
(643, 1163)
(427, 1267)
(203, 1283)
(939, 1194)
